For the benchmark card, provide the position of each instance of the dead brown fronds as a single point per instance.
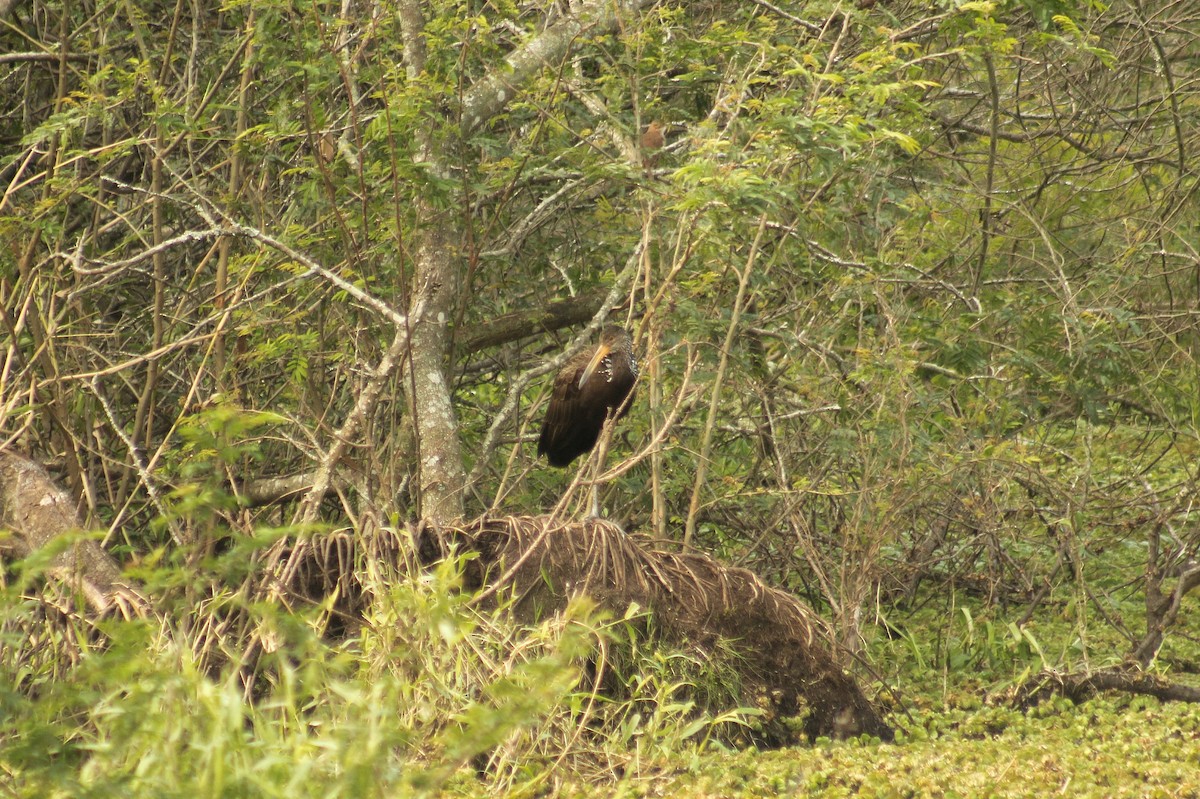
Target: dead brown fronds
(785, 657)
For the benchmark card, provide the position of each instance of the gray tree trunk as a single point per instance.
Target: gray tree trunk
(41, 514)
(442, 477)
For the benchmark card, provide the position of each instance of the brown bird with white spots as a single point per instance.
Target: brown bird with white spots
(592, 386)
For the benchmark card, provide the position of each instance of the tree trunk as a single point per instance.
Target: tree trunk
(39, 513)
(442, 477)
(441, 464)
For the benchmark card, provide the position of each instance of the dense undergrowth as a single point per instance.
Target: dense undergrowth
(434, 697)
(428, 694)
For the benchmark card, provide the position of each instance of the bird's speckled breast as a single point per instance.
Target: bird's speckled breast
(609, 374)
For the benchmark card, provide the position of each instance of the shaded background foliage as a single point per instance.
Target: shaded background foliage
(936, 265)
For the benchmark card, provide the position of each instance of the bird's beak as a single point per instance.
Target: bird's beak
(601, 352)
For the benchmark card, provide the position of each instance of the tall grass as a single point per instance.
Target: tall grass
(428, 694)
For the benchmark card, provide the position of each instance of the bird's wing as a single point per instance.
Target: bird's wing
(563, 409)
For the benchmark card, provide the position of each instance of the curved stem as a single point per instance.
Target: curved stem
(689, 530)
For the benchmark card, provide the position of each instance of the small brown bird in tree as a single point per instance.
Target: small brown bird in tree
(652, 141)
(592, 386)
(653, 138)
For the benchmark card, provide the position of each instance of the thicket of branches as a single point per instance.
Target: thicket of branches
(915, 286)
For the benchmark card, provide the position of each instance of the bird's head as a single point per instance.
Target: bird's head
(612, 337)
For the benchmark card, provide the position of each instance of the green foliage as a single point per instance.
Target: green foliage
(429, 689)
(141, 716)
(958, 392)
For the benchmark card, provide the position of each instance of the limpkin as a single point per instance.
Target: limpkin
(593, 386)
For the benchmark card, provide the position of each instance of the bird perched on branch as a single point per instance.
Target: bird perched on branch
(652, 141)
(652, 137)
(594, 385)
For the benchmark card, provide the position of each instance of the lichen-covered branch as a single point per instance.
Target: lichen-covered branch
(39, 512)
(490, 96)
